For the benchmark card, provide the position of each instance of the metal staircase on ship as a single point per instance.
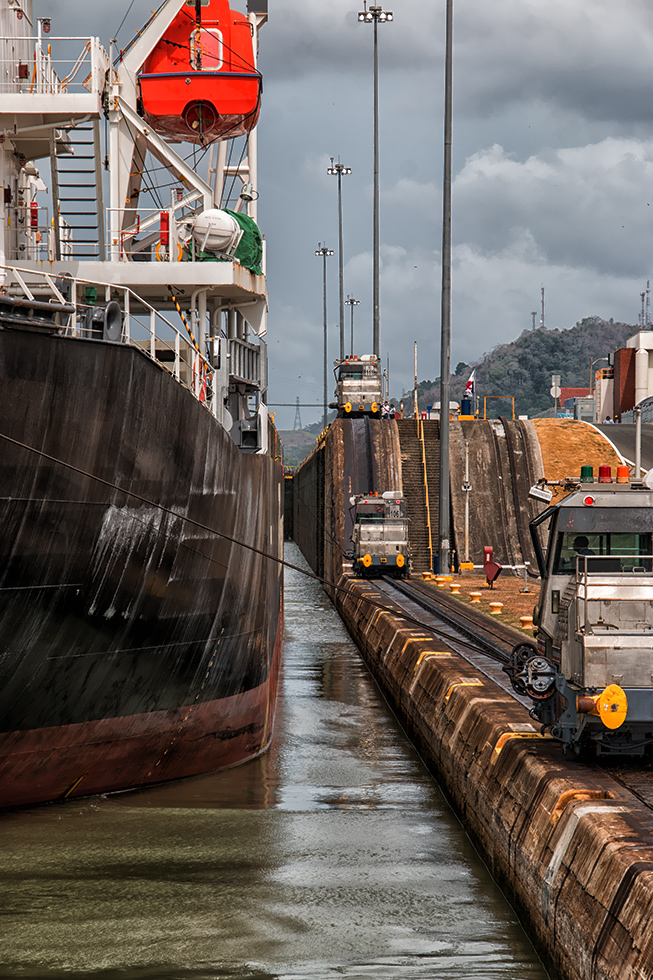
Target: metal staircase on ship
(77, 196)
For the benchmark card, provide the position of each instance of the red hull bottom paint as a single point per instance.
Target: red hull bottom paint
(114, 754)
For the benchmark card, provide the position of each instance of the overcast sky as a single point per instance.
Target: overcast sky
(553, 170)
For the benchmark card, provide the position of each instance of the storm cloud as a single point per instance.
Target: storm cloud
(553, 168)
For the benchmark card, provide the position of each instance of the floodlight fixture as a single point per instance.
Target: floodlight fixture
(351, 303)
(323, 252)
(338, 169)
(376, 14)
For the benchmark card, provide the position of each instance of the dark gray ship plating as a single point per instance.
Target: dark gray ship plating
(140, 481)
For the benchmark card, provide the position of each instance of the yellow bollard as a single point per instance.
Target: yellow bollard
(455, 588)
(476, 598)
(495, 608)
(526, 622)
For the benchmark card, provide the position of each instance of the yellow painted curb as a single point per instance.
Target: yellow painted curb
(462, 684)
(501, 741)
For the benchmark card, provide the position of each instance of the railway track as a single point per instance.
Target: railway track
(487, 645)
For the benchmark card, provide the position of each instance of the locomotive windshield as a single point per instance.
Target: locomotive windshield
(350, 372)
(606, 539)
(602, 552)
(367, 513)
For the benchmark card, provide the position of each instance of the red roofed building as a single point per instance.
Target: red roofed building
(566, 393)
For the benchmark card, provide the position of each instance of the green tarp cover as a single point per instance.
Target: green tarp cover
(250, 247)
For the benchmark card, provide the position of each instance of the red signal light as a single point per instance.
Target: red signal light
(164, 233)
(588, 501)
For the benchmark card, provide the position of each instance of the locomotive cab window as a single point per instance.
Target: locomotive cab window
(370, 513)
(350, 372)
(603, 552)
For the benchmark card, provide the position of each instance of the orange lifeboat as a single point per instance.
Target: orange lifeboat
(200, 83)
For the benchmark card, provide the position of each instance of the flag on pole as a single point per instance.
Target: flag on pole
(469, 387)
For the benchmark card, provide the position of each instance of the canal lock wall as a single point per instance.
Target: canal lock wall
(571, 846)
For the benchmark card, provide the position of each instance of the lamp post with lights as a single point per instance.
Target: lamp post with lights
(445, 335)
(351, 303)
(339, 169)
(324, 252)
(593, 361)
(375, 15)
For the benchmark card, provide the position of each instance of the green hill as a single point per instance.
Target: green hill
(524, 367)
(297, 444)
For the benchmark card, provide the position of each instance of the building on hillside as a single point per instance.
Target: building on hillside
(604, 393)
(578, 403)
(633, 373)
(567, 394)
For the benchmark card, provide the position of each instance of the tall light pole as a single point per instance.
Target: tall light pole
(351, 303)
(339, 169)
(593, 361)
(324, 252)
(375, 15)
(445, 344)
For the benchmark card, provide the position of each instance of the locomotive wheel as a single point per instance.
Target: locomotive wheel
(540, 676)
(515, 667)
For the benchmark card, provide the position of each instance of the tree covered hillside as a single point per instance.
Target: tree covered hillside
(524, 367)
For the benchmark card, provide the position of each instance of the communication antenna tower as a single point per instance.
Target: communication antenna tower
(642, 312)
(533, 314)
(298, 417)
(647, 321)
(542, 320)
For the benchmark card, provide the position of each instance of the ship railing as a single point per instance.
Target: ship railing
(35, 232)
(138, 236)
(143, 238)
(38, 240)
(138, 323)
(28, 67)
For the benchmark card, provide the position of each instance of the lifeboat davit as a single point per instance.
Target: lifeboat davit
(200, 83)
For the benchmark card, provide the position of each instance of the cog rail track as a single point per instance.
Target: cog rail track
(487, 646)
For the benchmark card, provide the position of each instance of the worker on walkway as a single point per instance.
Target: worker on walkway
(385, 411)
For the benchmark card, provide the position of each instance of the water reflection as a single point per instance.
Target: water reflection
(334, 855)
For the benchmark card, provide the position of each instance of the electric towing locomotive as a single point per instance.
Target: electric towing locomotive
(358, 387)
(380, 535)
(590, 671)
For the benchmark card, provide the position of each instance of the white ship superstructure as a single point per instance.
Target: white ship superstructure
(71, 128)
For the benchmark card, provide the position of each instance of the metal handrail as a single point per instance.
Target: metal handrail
(199, 366)
(584, 582)
(420, 426)
(43, 77)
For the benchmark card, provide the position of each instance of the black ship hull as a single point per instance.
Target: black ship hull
(140, 623)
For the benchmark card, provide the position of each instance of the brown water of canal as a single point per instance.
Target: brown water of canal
(334, 855)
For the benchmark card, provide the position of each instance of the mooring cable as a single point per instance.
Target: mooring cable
(205, 527)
